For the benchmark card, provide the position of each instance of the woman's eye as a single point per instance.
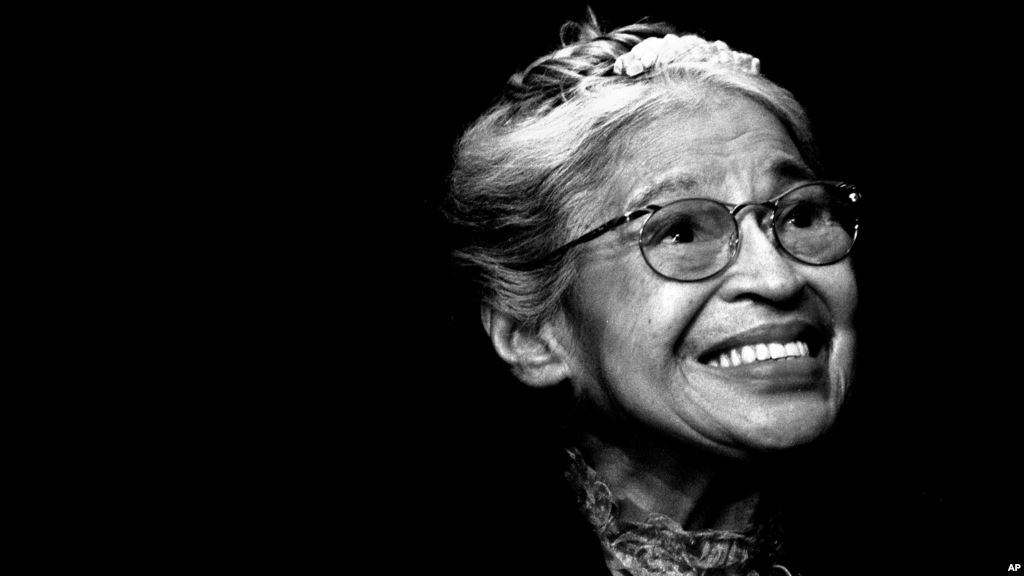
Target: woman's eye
(689, 223)
(807, 215)
(681, 232)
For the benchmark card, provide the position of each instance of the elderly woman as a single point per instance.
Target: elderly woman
(645, 218)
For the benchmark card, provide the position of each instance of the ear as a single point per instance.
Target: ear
(537, 357)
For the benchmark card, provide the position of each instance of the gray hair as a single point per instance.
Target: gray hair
(526, 170)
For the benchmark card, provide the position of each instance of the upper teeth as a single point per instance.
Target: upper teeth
(758, 352)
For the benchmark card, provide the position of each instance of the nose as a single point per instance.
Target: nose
(761, 271)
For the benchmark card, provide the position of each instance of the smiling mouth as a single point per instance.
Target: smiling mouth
(761, 352)
(783, 345)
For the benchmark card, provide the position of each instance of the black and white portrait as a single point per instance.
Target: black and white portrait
(697, 290)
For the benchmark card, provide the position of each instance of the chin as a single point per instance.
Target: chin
(777, 428)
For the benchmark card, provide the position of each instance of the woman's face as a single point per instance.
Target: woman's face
(641, 344)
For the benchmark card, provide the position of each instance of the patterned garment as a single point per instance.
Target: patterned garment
(658, 546)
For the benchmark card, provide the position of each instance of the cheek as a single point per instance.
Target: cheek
(607, 306)
(837, 285)
(626, 313)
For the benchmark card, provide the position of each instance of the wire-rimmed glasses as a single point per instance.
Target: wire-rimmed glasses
(694, 239)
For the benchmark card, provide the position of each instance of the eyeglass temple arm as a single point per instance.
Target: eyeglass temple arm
(600, 230)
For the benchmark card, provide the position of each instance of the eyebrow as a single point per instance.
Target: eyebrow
(791, 170)
(645, 195)
(784, 170)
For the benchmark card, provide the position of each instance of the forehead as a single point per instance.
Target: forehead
(724, 150)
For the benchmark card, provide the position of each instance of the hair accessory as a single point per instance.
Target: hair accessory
(689, 48)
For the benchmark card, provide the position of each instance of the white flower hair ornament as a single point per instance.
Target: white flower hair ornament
(689, 48)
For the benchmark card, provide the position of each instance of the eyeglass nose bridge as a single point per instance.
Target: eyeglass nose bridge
(767, 225)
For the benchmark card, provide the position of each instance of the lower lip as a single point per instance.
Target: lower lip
(788, 374)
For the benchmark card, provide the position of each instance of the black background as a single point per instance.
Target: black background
(916, 109)
(390, 384)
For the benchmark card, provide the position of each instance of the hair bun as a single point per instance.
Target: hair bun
(587, 53)
(669, 49)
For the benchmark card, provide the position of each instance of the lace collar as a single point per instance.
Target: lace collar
(658, 545)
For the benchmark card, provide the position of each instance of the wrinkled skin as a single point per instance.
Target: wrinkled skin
(634, 338)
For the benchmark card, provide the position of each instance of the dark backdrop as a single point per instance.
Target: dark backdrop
(918, 110)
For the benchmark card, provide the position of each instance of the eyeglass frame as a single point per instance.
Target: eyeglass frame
(733, 209)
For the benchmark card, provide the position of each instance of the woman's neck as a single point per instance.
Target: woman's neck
(698, 490)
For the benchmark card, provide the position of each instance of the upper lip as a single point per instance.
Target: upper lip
(808, 332)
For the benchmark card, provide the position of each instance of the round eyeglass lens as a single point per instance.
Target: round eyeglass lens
(689, 239)
(817, 223)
